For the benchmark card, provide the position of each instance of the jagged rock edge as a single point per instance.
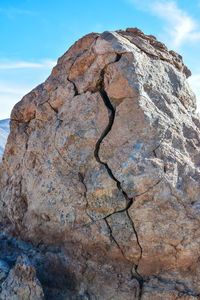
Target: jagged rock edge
(142, 49)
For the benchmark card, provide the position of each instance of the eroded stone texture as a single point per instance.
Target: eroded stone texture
(22, 283)
(103, 161)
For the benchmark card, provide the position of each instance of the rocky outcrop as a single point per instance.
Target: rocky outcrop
(103, 162)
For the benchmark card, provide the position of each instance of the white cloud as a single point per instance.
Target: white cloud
(7, 102)
(194, 82)
(179, 26)
(10, 94)
(7, 89)
(13, 87)
(24, 64)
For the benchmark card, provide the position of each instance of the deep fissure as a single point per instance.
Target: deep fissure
(129, 201)
(54, 109)
(74, 85)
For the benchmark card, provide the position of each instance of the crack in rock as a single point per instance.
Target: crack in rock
(54, 109)
(113, 238)
(129, 201)
(81, 179)
(75, 87)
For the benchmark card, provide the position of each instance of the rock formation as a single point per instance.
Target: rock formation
(102, 163)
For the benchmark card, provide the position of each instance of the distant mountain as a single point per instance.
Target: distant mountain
(4, 131)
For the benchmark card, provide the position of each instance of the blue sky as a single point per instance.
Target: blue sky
(34, 33)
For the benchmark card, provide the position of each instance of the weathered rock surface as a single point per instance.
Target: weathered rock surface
(103, 162)
(22, 283)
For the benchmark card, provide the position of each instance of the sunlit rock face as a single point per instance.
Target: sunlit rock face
(103, 161)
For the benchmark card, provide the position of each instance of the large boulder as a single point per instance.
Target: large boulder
(103, 160)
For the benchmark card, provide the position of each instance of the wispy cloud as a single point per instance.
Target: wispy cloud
(179, 26)
(9, 96)
(46, 64)
(11, 90)
(13, 86)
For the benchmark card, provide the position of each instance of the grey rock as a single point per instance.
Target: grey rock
(22, 283)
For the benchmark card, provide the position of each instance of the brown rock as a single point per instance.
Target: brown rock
(103, 159)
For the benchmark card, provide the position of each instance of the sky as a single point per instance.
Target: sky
(34, 33)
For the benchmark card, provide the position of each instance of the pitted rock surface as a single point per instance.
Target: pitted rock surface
(22, 283)
(103, 161)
